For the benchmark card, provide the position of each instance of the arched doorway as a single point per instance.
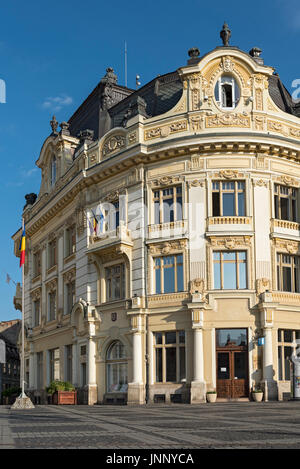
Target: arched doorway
(116, 371)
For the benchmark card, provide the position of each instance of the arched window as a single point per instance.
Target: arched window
(53, 171)
(227, 92)
(116, 366)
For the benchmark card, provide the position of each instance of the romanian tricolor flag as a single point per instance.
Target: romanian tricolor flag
(22, 247)
(95, 223)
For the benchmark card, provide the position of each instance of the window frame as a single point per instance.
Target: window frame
(115, 362)
(161, 197)
(163, 266)
(236, 191)
(123, 281)
(281, 345)
(164, 346)
(218, 88)
(236, 262)
(278, 195)
(280, 264)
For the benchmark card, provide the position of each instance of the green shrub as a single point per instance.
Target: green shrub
(59, 386)
(10, 391)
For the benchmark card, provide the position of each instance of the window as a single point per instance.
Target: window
(36, 264)
(54, 356)
(68, 363)
(40, 380)
(167, 204)
(114, 213)
(70, 239)
(230, 270)
(285, 201)
(52, 253)
(227, 92)
(288, 341)
(53, 171)
(115, 282)
(288, 273)
(168, 274)
(228, 198)
(116, 368)
(70, 296)
(169, 356)
(52, 305)
(36, 312)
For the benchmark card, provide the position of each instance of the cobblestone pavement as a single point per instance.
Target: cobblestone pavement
(240, 425)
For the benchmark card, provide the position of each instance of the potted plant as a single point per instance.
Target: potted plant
(211, 396)
(62, 392)
(257, 394)
(10, 394)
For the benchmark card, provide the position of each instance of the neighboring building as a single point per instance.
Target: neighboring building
(194, 180)
(10, 370)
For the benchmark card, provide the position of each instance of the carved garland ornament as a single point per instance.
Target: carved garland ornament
(166, 130)
(231, 242)
(167, 247)
(228, 120)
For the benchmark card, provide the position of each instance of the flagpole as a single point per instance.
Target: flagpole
(23, 402)
(23, 335)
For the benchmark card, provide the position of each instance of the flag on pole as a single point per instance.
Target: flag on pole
(95, 223)
(22, 247)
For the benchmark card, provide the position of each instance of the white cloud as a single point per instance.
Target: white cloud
(29, 172)
(57, 103)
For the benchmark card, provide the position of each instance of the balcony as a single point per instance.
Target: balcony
(175, 229)
(285, 227)
(113, 242)
(229, 223)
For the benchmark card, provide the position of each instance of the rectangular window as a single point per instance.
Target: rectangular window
(36, 312)
(168, 272)
(36, 264)
(167, 204)
(287, 346)
(70, 292)
(52, 254)
(40, 368)
(288, 273)
(285, 201)
(54, 364)
(228, 198)
(70, 239)
(230, 270)
(51, 305)
(68, 363)
(115, 282)
(169, 356)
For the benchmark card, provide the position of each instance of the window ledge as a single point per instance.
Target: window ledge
(69, 258)
(168, 299)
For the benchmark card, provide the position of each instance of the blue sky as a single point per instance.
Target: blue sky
(53, 55)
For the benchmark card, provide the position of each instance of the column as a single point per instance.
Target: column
(136, 389)
(198, 388)
(92, 385)
(198, 355)
(74, 364)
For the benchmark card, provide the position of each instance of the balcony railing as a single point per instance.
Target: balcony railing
(170, 229)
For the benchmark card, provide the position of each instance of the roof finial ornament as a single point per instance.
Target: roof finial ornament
(225, 34)
(54, 125)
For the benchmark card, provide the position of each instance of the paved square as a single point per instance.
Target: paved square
(178, 426)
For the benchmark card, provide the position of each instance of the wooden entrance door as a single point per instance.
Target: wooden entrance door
(232, 373)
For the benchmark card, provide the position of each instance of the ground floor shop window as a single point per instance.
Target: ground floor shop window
(116, 366)
(288, 341)
(169, 356)
(54, 356)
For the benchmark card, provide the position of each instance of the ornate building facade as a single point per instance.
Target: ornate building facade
(164, 245)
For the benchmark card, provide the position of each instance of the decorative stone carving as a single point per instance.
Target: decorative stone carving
(288, 181)
(166, 181)
(167, 247)
(230, 242)
(165, 130)
(197, 286)
(196, 183)
(228, 120)
(228, 174)
(262, 285)
(260, 182)
(287, 245)
(227, 64)
(225, 35)
(114, 143)
(70, 275)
